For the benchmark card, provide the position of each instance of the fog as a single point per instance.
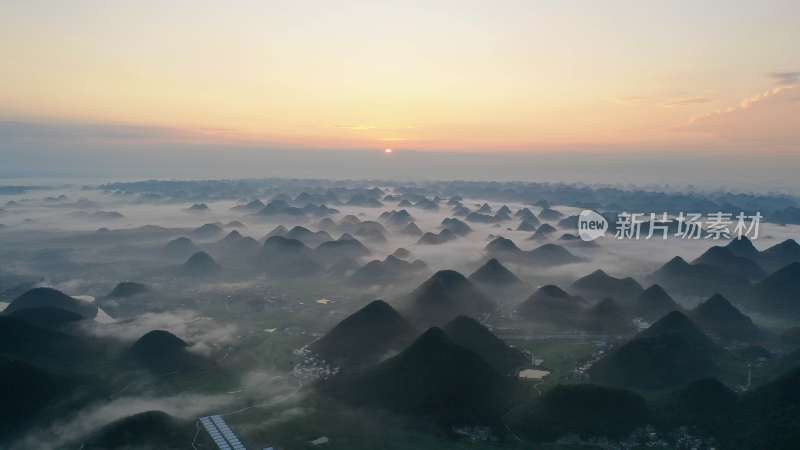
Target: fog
(246, 324)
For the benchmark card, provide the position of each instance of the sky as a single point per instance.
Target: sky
(533, 77)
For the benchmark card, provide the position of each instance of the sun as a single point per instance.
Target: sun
(387, 150)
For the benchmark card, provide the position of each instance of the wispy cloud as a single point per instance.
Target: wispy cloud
(356, 127)
(746, 103)
(630, 100)
(686, 101)
(785, 78)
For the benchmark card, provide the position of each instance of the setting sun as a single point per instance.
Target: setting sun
(387, 150)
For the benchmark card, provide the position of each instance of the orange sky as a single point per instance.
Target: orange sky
(440, 75)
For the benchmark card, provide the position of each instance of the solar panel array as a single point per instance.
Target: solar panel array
(221, 433)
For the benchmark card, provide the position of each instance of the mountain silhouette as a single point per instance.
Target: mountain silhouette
(550, 214)
(456, 226)
(780, 255)
(670, 353)
(391, 269)
(551, 304)
(719, 317)
(598, 285)
(307, 236)
(44, 297)
(411, 230)
(251, 206)
(778, 294)
(586, 410)
(700, 279)
(608, 317)
(284, 257)
(446, 295)
(207, 231)
(474, 336)
(544, 231)
(162, 352)
(527, 225)
(434, 379)
(654, 303)
(443, 237)
(180, 248)
(727, 262)
(364, 337)
(149, 429)
(201, 264)
(495, 274)
(332, 251)
(126, 289)
(744, 248)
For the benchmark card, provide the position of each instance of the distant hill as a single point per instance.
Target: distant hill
(585, 410)
(670, 353)
(332, 251)
(780, 255)
(446, 295)
(162, 352)
(308, 237)
(654, 303)
(543, 232)
(434, 379)
(504, 249)
(779, 293)
(705, 404)
(526, 215)
(729, 263)
(550, 214)
(250, 207)
(744, 248)
(389, 270)
(411, 230)
(550, 255)
(28, 392)
(456, 226)
(149, 429)
(474, 336)
(364, 337)
(25, 339)
(207, 231)
(608, 317)
(551, 304)
(46, 317)
(700, 279)
(126, 289)
(598, 285)
(44, 297)
(442, 237)
(495, 274)
(201, 264)
(181, 248)
(397, 218)
(767, 417)
(719, 317)
(284, 257)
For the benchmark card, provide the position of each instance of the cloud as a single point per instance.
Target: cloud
(203, 333)
(766, 121)
(686, 101)
(356, 127)
(85, 421)
(630, 100)
(785, 78)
